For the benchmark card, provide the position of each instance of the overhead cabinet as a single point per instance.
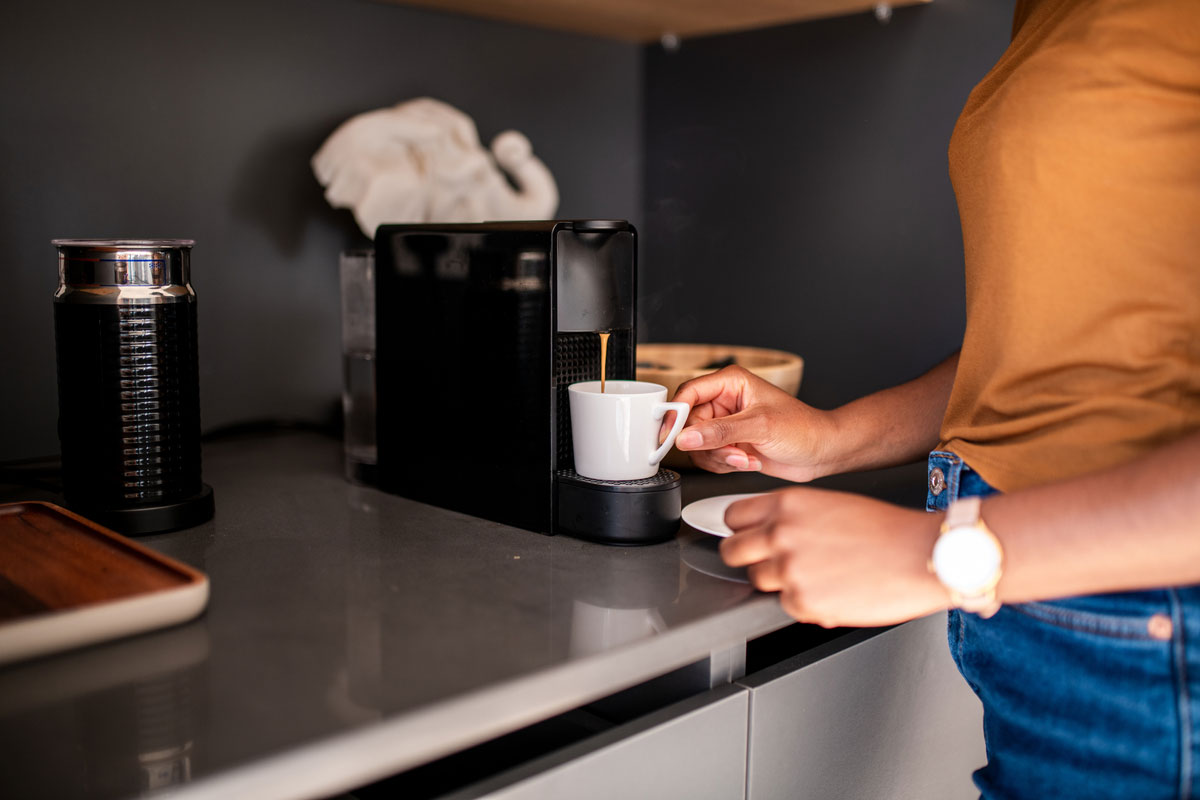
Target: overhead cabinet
(640, 21)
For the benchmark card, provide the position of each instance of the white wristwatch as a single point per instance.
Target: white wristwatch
(968, 559)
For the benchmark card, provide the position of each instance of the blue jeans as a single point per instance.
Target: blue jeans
(1087, 697)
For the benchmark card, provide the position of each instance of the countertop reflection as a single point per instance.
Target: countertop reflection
(354, 632)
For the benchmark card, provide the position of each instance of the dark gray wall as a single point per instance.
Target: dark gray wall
(149, 119)
(797, 193)
(795, 178)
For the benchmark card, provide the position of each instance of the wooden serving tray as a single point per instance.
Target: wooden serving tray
(66, 582)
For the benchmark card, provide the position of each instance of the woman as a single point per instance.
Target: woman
(1072, 410)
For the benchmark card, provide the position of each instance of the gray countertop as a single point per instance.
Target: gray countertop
(352, 634)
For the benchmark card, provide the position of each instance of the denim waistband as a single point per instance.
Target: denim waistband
(948, 478)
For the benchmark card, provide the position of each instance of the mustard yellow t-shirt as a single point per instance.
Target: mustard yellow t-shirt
(1076, 164)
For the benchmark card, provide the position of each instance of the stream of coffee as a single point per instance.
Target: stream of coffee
(603, 359)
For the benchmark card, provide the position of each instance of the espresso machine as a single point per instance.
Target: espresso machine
(480, 328)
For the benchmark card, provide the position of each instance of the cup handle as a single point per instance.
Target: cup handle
(681, 414)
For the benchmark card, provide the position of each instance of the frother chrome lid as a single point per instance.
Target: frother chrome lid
(124, 244)
(123, 262)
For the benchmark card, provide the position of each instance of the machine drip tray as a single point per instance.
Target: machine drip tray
(637, 512)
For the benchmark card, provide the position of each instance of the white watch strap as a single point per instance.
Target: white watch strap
(963, 513)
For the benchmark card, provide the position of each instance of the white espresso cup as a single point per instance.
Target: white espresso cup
(615, 433)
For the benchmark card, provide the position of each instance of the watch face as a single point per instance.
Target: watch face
(966, 560)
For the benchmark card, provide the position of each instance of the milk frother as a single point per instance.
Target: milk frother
(128, 384)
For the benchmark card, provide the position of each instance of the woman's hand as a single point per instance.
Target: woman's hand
(741, 422)
(835, 558)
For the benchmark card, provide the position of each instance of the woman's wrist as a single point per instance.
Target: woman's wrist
(840, 449)
(829, 437)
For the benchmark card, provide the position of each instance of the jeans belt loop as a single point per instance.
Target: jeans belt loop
(943, 475)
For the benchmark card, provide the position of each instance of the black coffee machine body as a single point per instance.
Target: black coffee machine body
(480, 328)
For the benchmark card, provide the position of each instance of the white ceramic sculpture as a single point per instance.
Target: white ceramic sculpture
(421, 161)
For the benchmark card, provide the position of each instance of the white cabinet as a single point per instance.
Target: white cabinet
(694, 749)
(887, 718)
(871, 715)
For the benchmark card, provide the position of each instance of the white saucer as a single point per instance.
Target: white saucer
(708, 515)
